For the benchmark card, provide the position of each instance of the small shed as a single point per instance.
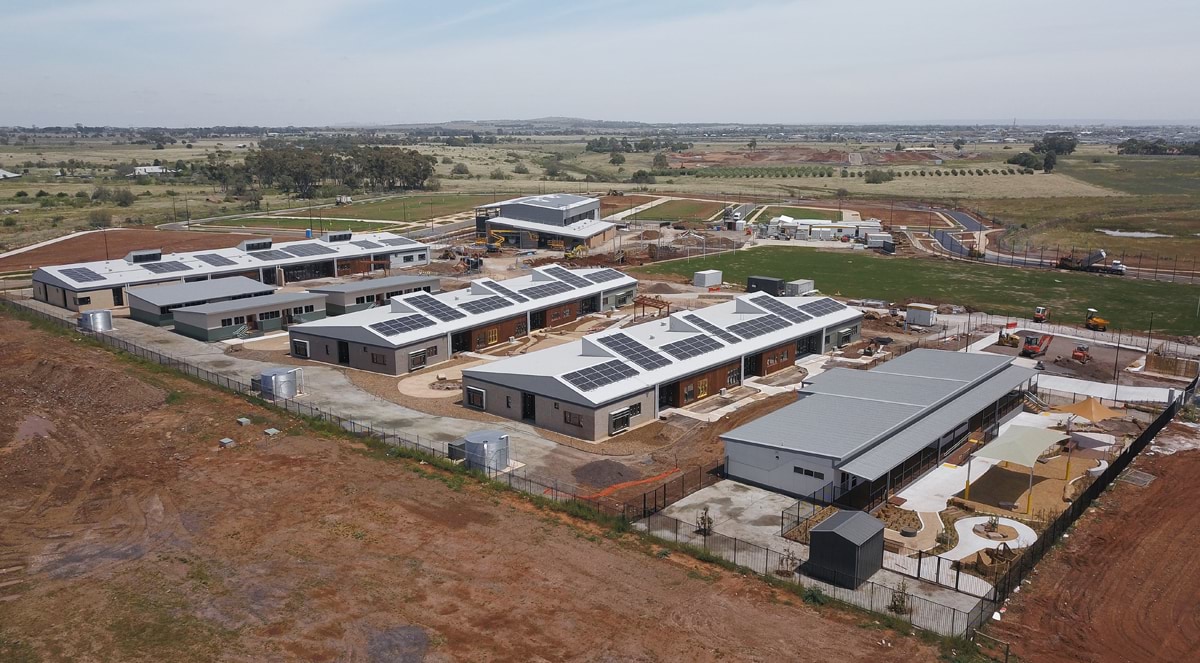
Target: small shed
(846, 548)
(707, 278)
(921, 315)
(768, 284)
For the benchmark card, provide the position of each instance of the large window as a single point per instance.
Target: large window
(417, 359)
(573, 418)
(476, 398)
(808, 473)
(493, 335)
(379, 359)
(268, 315)
(300, 349)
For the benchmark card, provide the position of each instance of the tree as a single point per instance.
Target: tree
(616, 158)
(1049, 161)
(958, 143)
(753, 144)
(660, 161)
(124, 197)
(1026, 160)
(460, 168)
(899, 147)
(552, 168)
(642, 177)
(1058, 143)
(842, 194)
(447, 160)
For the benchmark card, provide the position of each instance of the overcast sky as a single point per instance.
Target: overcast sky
(318, 62)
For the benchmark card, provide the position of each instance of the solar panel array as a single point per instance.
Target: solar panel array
(397, 326)
(164, 267)
(308, 250)
(81, 275)
(691, 347)
(711, 328)
(758, 326)
(435, 308)
(506, 292)
(397, 241)
(603, 275)
(594, 377)
(822, 307)
(272, 254)
(215, 259)
(567, 277)
(547, 290)
(783, 310)
(484, 305)
(634, 351)
(366, 244)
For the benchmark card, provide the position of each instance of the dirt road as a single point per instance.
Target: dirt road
(126, 535)
(1123, 587)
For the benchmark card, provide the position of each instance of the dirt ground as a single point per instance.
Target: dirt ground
(610, 205)
(1123, 587)
(131, 537)
(761, 157)
(92, 246)
(1100, 369)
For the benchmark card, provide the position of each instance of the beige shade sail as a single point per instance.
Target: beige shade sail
(1021, 445)
(1090, 409)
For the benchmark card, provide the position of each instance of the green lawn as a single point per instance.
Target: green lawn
(1138, 175)
(678, 210)
(800, 213)
(412, 208)
(301, 224)
(997, 290)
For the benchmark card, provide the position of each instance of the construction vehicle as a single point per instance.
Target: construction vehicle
(1036, 345)
(1008, 340)
(1082, 354)
(1094, 322)
(578, 251)
(1092, 262)
(615, 192)
(1041, 314)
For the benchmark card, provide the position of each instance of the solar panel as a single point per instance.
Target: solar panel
(759, 326)
(215, 259)
(308, 250)
(782, 310)
(634, 351)
(164, 267)
(603, 275)
(547, 290)
(366, 244)
(597, 376)
(397, 241)
(691, 347)
(272, 254)
(434, 307)
(81, 275)
(397, 326)
(484, 305)
(712, 329)
(822, 307)
(566, 276)
(506, 292)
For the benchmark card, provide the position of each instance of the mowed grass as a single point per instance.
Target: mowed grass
(673, 210)
(1127, 303)
(316, 223)
(1138, 175)
(411, 208)
(773, 211)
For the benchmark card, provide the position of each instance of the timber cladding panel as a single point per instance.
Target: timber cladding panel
(701, 385)
(498, 332)
(777, 358)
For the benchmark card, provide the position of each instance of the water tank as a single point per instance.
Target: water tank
(281, 382)
(99, 320)
(485, 450)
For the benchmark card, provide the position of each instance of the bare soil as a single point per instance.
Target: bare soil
(133, 538)
(1123, 587)
(1100, 369)
(779, 156)
(610, 205)
(117, 243)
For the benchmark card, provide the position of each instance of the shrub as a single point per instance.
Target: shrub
(21, 194)
(447, 160)
(41, 193)
(81, 194)
(9, 223)
(498, 174)
(124, 197)
(100, 218)
(460, 169)
(521, 169)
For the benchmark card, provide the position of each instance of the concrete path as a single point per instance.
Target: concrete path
(932, 492)
(1110, 392)
(970, 543)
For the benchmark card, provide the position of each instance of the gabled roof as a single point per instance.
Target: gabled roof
(252, 303)
(367, 285)
(585, 229)
(857, 527)
(199, 291)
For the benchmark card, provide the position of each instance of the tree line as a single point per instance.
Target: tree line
(605, 144)
(1157, 147)
(302, 171)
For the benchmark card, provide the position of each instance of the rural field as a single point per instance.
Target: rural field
(317, 222)
(691, 210)
(997, 290)
(799, 213)
(131, 537)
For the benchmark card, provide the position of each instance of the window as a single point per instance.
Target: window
(360, 300)
(83, 301)
(555, 314)
(298, 310)
(702, 387)
(268, 315)
(431, 351)
(689, 393)
(226, 322)
(573, 419)
(416, 360)
(508, 402)
(476, 398)
(493, 335)
(635, 409)
(239, 319)
(520, 329)
(379, 359)
(733, 378)
(310, 308)
(409, 258)
(618, 421)
(809, 473)
(300, 349)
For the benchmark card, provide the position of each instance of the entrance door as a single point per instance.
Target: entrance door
(343, 352)
(527, 406)
(754, 365)
(118, 297)
(460, 342)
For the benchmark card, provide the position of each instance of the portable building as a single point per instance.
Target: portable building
(921, 315)
(707, 278)
(798, 287)
(846, 548)
(768, 284)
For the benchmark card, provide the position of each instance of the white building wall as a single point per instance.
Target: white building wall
(775, 468)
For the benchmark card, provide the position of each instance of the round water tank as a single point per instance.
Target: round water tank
(99, 320)
(486, 450)
(281, 382)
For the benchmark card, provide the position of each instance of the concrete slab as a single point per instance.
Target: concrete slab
(741, 511)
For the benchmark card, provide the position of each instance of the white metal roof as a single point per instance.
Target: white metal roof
(357, 326)
(560, 201)
(543, 371)
(579, 230)
(120, 272)
(253, 303)
(199, 291)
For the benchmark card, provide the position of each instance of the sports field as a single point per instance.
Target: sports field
(316, 223)
(678, 210)
(773, 211)
(411, 208)
(1127, 303)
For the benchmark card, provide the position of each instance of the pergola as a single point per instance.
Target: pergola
(1019, 445)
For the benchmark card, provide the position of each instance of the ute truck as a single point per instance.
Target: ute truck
(1092, 262)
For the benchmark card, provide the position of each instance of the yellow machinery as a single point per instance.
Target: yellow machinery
(1008, 340)
(1094, 321)
(580, 251)
(556, 244)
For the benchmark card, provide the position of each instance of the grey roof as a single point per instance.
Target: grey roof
(253, 303)
(879, 386)
(374, 284)
(199, 291)
(479, 436)
(549, 200)
(857, 527)
(944, 365)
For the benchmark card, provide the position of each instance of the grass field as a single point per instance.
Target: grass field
(302, 224)
(411, 208)
(672, 210)
(1127, 303)
(1137, 175)
(800, 213)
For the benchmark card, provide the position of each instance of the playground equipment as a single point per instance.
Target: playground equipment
(1041, 314)
(1094, 322)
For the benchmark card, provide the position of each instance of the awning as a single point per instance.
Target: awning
(1021, 445)
(1090, 409)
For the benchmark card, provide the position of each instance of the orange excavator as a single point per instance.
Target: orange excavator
(1036, 345)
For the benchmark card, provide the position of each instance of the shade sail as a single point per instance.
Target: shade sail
(1021, 445)
(1090, 409)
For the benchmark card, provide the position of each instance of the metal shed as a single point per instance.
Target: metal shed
(846, 548)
